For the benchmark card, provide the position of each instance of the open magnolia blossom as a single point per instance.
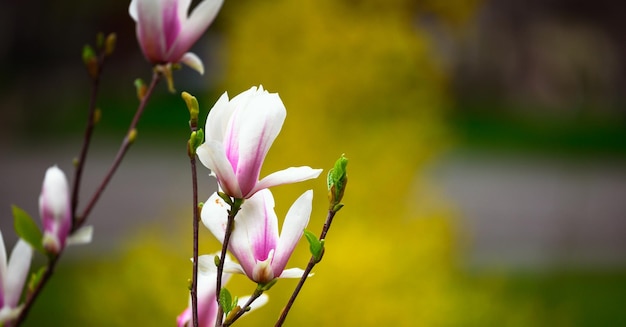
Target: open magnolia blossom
(238, 134)
(255, 242)
(207, 301)
(56, 213)
(12, 278)
(166, 32)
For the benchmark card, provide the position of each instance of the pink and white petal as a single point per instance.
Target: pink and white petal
(264, 118)
(184, 317)
(293, 273)
(150, 27)
(211, 154)
(195, 25)
(193, 61)
(287, 176)
(183, 9)
(296, 220)
(17, 271)
(207, 305)
(256, 231)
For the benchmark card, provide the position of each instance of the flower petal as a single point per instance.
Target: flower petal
(211, 154)
(256, 231)
(194, 26)
(3, 269)
(149, 28)
(296, 220)
(287, 176)
(17, 271)
(259, 302)
(293, 273)
(82, 236)
(258, 125)
(193, 61)
(218, 118)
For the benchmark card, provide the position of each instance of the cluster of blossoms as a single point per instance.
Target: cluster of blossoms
(56, 217)
(237, 137)
(239, 133)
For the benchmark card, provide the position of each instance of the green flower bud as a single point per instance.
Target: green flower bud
(109, 44)
(90, 60)
(337, 180)
(141, 88)
(193, 107)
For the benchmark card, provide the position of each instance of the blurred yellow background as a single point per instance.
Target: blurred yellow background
(401, 87)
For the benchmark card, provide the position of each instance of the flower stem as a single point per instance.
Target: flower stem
(196, 218)
(307, 271)
(91, 124)
(126, 143)
(234, 209)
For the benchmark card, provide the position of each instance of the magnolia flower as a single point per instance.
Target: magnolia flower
(166, 32)
(55, 210)
(12, 278)
(207, 300)
(56, 213)
(255, 242)
(238, 135)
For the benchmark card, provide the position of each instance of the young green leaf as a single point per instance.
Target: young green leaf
(27, 229)
(315, 246)
(35, 277)
(226, 301)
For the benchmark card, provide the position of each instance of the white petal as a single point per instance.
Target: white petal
(211, 154)
(296, 220)
(81, 236)
(257, 303)
(217, 119)
(214, 216)
(288, 176)
(3, 264)
(17, 271)
(293, 273)
(132, 10)
(193, 61)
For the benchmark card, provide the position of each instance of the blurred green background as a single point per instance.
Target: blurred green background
(480, 134)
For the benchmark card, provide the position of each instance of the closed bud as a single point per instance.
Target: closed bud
(55, 210)
(90, 60)
(194, 109)
(141, 88)
(109, 44)
(337, 180)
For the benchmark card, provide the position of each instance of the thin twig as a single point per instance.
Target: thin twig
(307, 271)
(243, 309)
(156, 77)
(194, 280)
(91, 123)
(79, 220)
(234, 208)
